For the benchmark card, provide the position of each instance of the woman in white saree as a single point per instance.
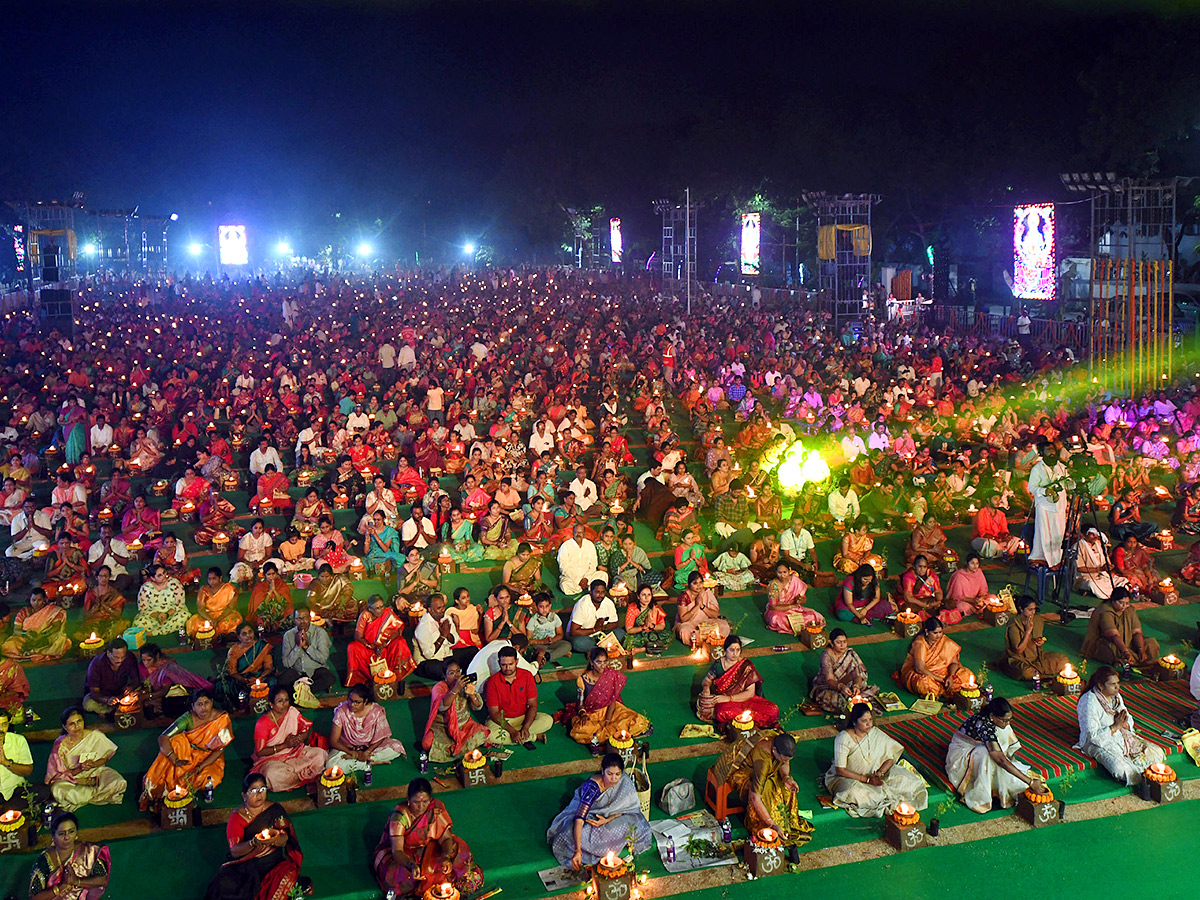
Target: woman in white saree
(864, 778)
(980, 760)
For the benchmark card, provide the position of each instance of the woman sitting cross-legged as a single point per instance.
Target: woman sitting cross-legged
(264, 853)
(361, 733)
(190, 753)
(1106, 730)
(77, 770)
(860, 598)
(418, 848)
(864, 778)
(247, 661)
(604, 815)
(282, 753)
(733, 686)
(764, 778)
(980, 760)
(599, 712)
(932, 665)
(450, 732)
(842, 679)
(785, 600)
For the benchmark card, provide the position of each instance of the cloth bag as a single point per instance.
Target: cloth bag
(641, 781)
(677, 796)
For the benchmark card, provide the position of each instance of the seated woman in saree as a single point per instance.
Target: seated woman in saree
(361, 734)
(763, 776)
(170, 683)
(1107, 732)
(732, 569)
(927, 540)
(523, 573)
(841, 680)
(764, 556)
(679, 518)
(932, 665)
(459, 533)
(689, 558)
(860, 598)
(1023, 642)
(332, 596)
(598, 712)
(270, 601)
(921, 592)
(698, 613)
(646, 624)
(14, 685)
(419, 850)
(69, 869)
(494, 533)
(785, 603)
(329, 547)
(248, 660)
(214, 514)
(632, 565)
(378, 643)
(980, 761)
(731, 687)
(162, 604)
(141, 523)
(190, 488)
(864, 778)
(216, 604)
(604, 816)
(683, 485)
(264, 853)
(417, 577)
(309, 510)
(173, 557)
(190, 753)
(1135, 563)
(103, 605)
(39, 631)
(77, 770)
(380, 499)
(382, 543)
(450, 732)
(117, 492)
(282, 752)
(272, 485)
(857, 545)
(967, 590)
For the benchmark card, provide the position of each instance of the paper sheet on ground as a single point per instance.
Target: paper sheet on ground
(701, 827)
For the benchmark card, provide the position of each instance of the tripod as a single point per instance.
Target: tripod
(1077, 505)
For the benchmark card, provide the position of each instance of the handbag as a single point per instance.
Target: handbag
(641, 782)
(677, 796)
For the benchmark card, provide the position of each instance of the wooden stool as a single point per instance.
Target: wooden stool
(720, 797)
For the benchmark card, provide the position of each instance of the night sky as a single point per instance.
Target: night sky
(451, 121)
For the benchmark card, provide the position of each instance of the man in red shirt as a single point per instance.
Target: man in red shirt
(992, 537)
(512, 704)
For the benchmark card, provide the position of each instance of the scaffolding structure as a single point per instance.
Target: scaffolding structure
(844, 251)
(1134, 235)
(678, 244)
(50, 239)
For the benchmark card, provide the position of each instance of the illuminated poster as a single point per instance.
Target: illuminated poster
(19, 246)
(231, 242)
(751, 243)
(616, 243)
(1033, 252)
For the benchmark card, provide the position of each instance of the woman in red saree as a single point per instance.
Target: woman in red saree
(418, 849)
(264, 854)
(141, 523)
(732, 687)
(273, 486)
(282, 752)
(378, 634)
(450, 732)
(190, 487)
(363, 457)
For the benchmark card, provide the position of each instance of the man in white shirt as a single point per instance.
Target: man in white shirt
(843, 502)
(30, 526)
(584, 489)
(593, 614)
(796, 546)
(387, 358)
(434, 640)
(852, 445)
(110, 551)
(879, 439)
(417, 531)
(101, 435)
(16, 761)
(655, 471)
(263, 455)
(407, 358)
(486, 662)
(577, 564)
(358, 421)
(541, 439)
(465, 430)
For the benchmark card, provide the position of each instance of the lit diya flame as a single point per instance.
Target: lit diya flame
(1068, 673)
(443, 890)
(333, 773)
(177, 793)
(905, 809)
(745, 716)
(265, 835)
(207, 626)
(1169, 658)
(9, 817)
(474, 756)
(994, 601)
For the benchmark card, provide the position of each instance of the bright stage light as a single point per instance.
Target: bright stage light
(174, 217)
(195, 249)
(469, 249)
(283, 248)
(89, 249)
(364, 249)
(801, 467)
(615, 240)
(231, 242)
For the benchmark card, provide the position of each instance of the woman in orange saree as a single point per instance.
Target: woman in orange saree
(932, 665)
(216, 603)
(418, 849)
(191, 752)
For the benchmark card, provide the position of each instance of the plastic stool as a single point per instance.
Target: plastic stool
(1043, 573)
(721, 797)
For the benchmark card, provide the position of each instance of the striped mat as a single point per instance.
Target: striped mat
(1047, 727)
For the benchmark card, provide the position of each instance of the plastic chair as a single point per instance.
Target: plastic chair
(720, 797)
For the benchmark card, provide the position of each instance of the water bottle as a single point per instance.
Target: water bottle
(988, 691)
(391, 894)
(182, 636)
(367, 775)
(1037, 681)
(1126, 672)
(423, 762)
(726, 830)
(670, 849)
(208, 790)
(594, 746)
